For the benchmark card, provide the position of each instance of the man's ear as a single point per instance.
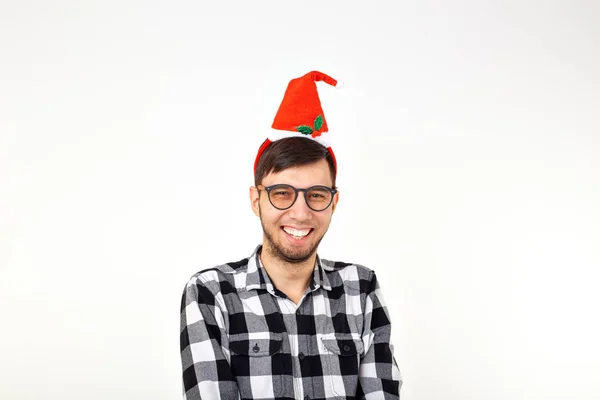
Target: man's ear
(336, 198)
(254, 199)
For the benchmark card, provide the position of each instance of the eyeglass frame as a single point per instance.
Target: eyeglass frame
(268, 189)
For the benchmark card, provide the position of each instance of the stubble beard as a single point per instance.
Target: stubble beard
(286, 255)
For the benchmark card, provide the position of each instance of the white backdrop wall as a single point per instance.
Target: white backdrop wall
(467, 137)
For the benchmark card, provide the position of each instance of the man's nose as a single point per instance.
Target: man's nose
(300, 209)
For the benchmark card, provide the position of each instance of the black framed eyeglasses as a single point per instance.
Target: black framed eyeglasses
(283, 196)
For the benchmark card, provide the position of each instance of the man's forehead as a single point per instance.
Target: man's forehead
(317, 173)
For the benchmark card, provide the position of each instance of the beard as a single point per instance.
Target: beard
(289, 255)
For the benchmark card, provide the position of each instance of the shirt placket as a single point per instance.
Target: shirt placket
(291, 308)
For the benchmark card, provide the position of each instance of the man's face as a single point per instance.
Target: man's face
(284, 229)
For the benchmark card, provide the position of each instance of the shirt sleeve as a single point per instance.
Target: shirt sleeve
(379, 375)
(204, 346)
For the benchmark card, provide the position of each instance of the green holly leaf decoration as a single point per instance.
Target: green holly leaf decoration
(318, 123)
(304, 129)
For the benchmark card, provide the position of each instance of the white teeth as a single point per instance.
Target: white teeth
(296, 232)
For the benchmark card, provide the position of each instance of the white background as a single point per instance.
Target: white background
(467, 137)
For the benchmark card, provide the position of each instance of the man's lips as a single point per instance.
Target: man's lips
(295, 232)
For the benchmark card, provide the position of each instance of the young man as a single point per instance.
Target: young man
(284, 323)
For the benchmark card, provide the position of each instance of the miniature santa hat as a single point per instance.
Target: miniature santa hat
(300, 113)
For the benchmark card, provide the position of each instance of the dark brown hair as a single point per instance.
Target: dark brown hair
(292, 152)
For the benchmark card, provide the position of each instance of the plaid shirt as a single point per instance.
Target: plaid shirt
(242, 338)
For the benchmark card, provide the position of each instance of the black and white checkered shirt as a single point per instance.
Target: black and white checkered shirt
(241, 338)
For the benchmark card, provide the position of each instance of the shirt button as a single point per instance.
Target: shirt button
(307, 397)
(301, 356)
(346, 348)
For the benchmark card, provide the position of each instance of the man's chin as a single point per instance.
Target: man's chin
(291, 256)
(287, 252)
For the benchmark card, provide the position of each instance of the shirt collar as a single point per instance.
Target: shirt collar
(257, 277)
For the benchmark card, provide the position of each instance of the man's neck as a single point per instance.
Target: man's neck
(290, 278)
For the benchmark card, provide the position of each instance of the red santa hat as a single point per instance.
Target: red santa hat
(300, 113)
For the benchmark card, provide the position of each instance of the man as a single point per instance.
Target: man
(284, 323)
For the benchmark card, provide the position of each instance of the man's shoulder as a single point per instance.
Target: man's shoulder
(220, 273)
(347, 270)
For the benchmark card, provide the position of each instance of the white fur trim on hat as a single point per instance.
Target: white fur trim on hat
(276, 134)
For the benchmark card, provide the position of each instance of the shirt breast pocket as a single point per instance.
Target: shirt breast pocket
(254, 365)
(342, 362)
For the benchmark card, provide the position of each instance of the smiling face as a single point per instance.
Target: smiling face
(293, 235)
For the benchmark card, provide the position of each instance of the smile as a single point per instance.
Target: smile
(296, 233)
